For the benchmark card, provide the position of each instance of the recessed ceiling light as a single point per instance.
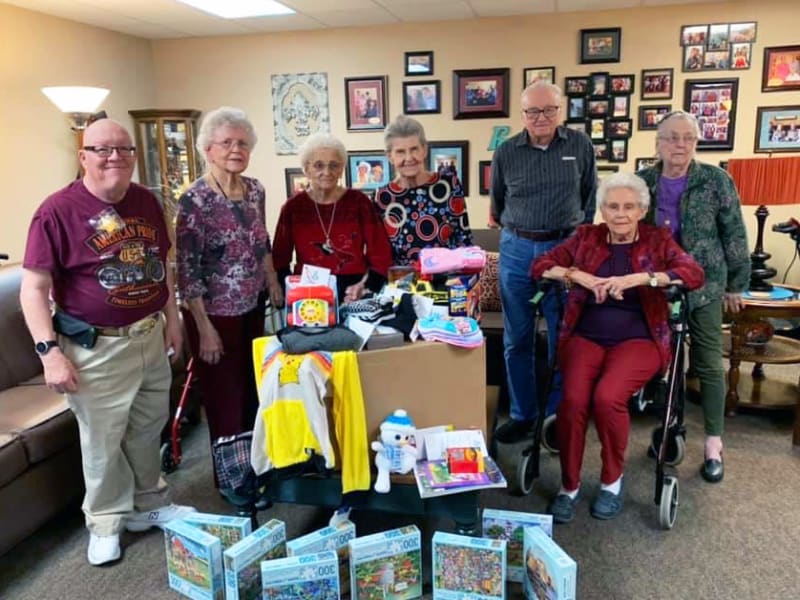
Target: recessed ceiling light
(240, 9)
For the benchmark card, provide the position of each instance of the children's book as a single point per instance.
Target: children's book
(194, 561)
(305, 577)
(509, 525)
(550, 573)
(386, 565)
(228, 529)
(434, 480)
(243, 560)
(468, 568)
(334, 538)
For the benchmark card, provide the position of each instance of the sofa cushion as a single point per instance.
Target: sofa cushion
(490, 285)
(50, 437)
(12, 458)
(18, 361)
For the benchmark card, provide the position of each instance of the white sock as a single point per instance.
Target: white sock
(614, 488)
(571, 494)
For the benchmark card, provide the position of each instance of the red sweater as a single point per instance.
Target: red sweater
(655, 251)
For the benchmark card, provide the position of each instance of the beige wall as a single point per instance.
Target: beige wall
(37, 152)
(204, 73)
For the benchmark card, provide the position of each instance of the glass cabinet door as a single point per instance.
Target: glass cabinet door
(150, 161)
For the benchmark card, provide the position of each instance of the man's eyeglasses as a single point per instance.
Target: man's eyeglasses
(106, 151)
(231, 144)
(548, 111)
(320, 166)
(677, 139)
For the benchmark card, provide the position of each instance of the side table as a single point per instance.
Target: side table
(778, 350)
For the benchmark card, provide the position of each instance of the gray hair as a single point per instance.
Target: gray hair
(224, 115)
(678, 114)
(319, 141)
(624, 180)
(544, 85)
(403, 127)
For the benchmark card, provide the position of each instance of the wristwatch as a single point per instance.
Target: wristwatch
(653, 282)
(43, 347)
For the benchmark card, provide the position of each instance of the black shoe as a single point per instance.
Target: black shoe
(713, 470)
(513, 431)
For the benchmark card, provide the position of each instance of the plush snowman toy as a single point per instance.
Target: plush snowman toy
(395, 450)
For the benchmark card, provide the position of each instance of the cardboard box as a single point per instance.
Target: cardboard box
(427, 379)
(468, 568)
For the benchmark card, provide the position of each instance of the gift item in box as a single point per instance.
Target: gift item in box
(510, 525)
(467, 568)
(464, 460)
(387, 565)
(243, 560)
(328, 538)
(549, 571)
(194, 561)
(297, 577)
(464, 296)
(228, 529)
(311, 305)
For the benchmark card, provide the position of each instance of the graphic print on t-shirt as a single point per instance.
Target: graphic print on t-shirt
(131, 268)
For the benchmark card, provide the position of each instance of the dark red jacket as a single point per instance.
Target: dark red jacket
(655, 251)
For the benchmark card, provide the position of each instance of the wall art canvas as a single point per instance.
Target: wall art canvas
(299, 109)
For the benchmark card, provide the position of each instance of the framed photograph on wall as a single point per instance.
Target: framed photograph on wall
(620, 106)
(576, 126)
(422, 97)
(576, 108)
(694, 35)
(606, 170)
(622, 84)
(742, 33)
(650, 116)
(781, 69)
(644, 163)
(777, 129)
(740, 56)
(600, 45)
(657, 84)
(576, 86)
(480, 93)
(598, 84)
(713, 102)
(368, 169)
(600, 150)
(597, 129)
(533, 74)
(450, 158)
(718, 37)
(618, 151)
(693, 58)
(619, 128)
(598, 108)
(484, 177)
(296, 181)
(418, 63)
(365, 99)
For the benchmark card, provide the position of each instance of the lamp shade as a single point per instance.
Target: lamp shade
(76, 99)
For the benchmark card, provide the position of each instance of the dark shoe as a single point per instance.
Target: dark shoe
(563, 508)
(513, 431)
(607, 505)
(713, 470)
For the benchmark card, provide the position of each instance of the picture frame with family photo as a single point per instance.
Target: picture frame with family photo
(422, 97)
(368, 169)
(365, 102)
(418, 63)
(480, 93)
(713, 102)
(450, 158)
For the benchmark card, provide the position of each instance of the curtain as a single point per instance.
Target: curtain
(767, 180)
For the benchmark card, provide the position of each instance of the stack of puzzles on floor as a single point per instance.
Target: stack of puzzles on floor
(216, 557)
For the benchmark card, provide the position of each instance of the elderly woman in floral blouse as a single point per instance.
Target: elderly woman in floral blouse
(225, 270)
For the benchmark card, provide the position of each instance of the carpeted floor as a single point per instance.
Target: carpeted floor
(738, 539)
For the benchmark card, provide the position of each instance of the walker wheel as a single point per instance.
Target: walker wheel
(668, 509)
(676, 447)
(168, 464)
(549, 438)
(524, 480)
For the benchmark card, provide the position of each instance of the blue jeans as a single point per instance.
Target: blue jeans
(516, 289)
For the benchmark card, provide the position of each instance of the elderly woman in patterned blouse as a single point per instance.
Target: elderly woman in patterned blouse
(225, 270)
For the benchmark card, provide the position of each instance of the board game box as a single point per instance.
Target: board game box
(194, 561)
(228, 529)
(468, 568)
(243, 560)
(550, 573)
(386, 565)
(328, 538)
(304, 577)
(509, 525)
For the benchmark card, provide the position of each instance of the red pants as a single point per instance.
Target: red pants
(602, 379)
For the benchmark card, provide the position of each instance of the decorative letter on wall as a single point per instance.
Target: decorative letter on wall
(299, 108)
(499, 135)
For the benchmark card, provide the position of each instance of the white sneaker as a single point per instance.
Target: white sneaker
(142, 521)
(103, 549)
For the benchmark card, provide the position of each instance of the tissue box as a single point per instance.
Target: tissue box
(194, 561)
(387, 565)
(229, 530)
(307, 576)
(243, 560)
(549, 571)
(467, 568)
(509, 525)
(328, 538)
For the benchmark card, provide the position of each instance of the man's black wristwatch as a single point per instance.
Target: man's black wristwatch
(44, 347)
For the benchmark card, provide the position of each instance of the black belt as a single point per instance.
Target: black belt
(543, 235)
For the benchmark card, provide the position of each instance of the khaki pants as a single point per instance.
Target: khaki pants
(121, 405)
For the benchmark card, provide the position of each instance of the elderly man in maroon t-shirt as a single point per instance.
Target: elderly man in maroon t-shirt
(99, 248)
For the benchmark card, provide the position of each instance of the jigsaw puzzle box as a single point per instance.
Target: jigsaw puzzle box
(298, 577)
(468, 568)
(228, 529)
(509, 525)
(386, 565)
(328, 538)
(243, 560)
(194, 561)
(550, 573)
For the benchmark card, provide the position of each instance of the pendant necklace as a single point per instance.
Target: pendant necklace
(327, 247)
(236, 206)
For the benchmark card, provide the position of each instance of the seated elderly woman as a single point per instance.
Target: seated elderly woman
(331, 226)
(615, 335)
(420, 208)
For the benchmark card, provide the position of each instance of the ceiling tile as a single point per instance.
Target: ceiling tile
(281, 23)
(354, 18)
(589, 5)
(497, 8)
(313, 6)
(416, 11)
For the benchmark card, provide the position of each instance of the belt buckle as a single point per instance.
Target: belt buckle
(141, 328)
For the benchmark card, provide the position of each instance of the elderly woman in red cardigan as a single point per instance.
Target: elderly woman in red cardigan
(615, 335)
